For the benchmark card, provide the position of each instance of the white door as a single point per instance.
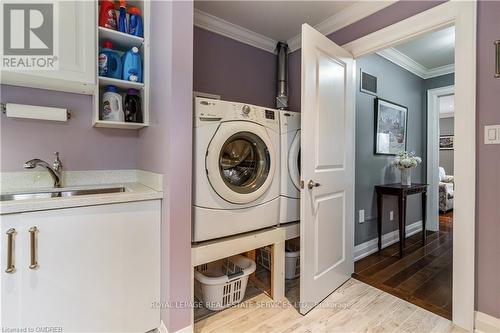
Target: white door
(327, 149)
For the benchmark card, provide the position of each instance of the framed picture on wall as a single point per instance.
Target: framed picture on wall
(446, 142)
(391, 122)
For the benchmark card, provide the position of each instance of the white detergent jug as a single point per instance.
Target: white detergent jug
(112, 106)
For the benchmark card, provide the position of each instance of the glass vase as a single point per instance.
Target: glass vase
(406, 177)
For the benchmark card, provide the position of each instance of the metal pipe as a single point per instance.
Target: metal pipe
(282, 77)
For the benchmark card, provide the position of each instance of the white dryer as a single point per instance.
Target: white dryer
(290, 166)
(236, 168)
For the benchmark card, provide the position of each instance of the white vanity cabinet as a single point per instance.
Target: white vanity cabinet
(98, 268)
(76, 34)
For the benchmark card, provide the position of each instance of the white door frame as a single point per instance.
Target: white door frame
(463, 16)
(433, 116)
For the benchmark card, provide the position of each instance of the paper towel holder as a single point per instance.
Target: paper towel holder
(3, 107)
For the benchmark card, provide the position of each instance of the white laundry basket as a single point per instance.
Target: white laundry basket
(222, 283)
(292, 258)
(263, 257)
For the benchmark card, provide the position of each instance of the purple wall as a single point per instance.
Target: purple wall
(82, 146)
(488, 99)
(166, 147)
(488, 163)
(236, 71)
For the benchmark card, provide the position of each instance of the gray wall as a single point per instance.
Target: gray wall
(446, 127)
(402, 87)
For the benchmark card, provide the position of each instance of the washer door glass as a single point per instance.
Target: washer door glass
(244, 162)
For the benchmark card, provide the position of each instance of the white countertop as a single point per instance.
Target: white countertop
(133, 192)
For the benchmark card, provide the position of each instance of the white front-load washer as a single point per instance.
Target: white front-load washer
(236, 168)
(290, 166)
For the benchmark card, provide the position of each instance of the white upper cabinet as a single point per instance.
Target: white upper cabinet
(75, 26)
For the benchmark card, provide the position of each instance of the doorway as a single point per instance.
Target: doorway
(463, 15)
(400, 78)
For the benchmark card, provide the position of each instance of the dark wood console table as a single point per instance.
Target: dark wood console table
(401, 192)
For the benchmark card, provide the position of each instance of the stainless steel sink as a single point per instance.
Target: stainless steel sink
(59, 194)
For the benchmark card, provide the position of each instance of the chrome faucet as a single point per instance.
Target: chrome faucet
(55, 170)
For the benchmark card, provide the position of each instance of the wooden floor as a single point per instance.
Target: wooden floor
(423, 276)
(354, 307)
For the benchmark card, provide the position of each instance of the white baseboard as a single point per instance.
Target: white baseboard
(188, 329)
(484, 323)
(365, 249)
(163, 329)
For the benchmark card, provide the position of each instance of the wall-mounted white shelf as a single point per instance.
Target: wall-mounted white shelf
(123, 42)
(117, 124)
(106, 81)
(120, 40)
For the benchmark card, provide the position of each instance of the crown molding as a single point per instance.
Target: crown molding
(351, 14)
(233, 31)
(443, 70)
(402, 60)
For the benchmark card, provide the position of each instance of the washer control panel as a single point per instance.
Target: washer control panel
(270, 114)
(245, 109)
(212, 111)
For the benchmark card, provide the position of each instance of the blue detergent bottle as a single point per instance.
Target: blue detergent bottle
(135, 22)
(132, 65)
(110, 64)
(122, 18)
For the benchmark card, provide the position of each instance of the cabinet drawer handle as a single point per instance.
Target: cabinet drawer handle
(10, 251)
(33, 262)
(497, 58)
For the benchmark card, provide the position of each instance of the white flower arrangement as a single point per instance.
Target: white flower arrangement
(406, 160)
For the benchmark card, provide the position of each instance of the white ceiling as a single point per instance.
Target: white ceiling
(433, 50)
(279, 20)
(427, 56)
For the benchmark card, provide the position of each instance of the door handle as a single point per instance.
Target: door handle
(312, 184)
(10, 251)
(33, 262)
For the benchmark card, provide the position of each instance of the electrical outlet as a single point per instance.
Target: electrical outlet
(361, 216)
(391, 215)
